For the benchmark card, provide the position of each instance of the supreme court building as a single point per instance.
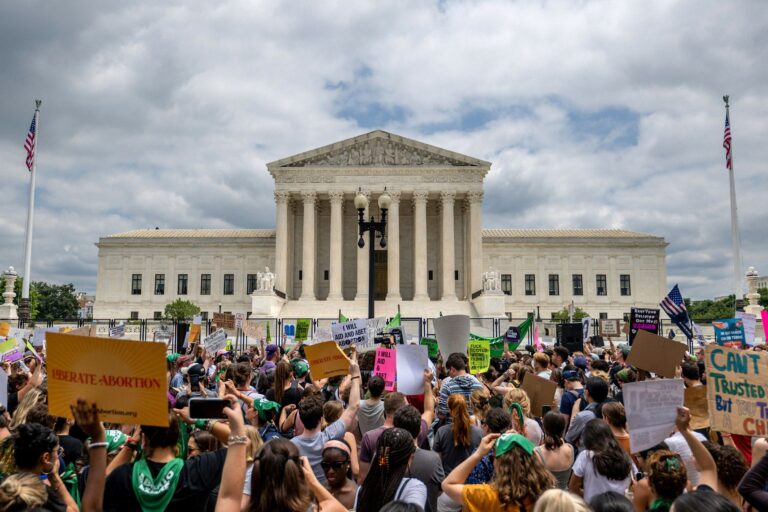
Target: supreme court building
(438, 258)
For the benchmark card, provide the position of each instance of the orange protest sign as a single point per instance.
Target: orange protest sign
(194, 333)
(326, 359)
(4, 328)
(126, 379)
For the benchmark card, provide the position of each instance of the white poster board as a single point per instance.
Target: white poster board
(354, 332)
(651, 408)
(750, 323)
(412, 360)
(452, 333)
(216, 341)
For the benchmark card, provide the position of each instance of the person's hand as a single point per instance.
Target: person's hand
(427, 376)
(235, 416)
(37, 376)
(87, 418)
(183, 415)
(306, 467)
(678, 371)
(354, 369)
(683, 419)
(486, 444)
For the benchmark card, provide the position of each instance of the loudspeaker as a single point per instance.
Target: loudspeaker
(571, 336)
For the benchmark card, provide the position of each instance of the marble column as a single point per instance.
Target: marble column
(393, 248)
(420, 245)
(281, 241)
(448, 256)
(336, 269)
(475, 240)
(362, 255)
(308, 247)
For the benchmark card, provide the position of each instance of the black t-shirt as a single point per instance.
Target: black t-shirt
(54, 503)
(291, 396)
(200, 476)
(73, 448)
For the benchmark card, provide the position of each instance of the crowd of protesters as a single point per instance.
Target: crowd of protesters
(295, 443)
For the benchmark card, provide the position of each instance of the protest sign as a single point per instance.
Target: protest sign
(656, 354)
(651, 409)
(479, 352)
(4, 328)
(117, 331)
(386, 367)
(729, 332)
(193, 336)
(38, 337)
(126, 379)
(86, 330)
(322, 335)
(642, 319)
(216, 341)
(326, 360)
(412, 360)
(197, 319)
(289, 330)
(764, 317)
(354, 332)
(6, 345)
(224, 320)
(736, 390)
(586, 323)
(452, 333)
(609, 328)
(254, 328)
(695, 400)
(512, 338)
(302, 329)
(750, 323)
(432, 348)
(239, 319)
(540, 392)
(375, 326)
(3, 389)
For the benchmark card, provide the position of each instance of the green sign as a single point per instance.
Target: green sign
(302, 329)
(431, 345)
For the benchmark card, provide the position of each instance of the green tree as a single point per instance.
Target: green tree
(708, 310)
(181, 310)
(562, 316)
(763, 297)
(55, 301)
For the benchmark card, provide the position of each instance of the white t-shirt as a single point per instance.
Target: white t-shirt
(594, 482)
(678, 445)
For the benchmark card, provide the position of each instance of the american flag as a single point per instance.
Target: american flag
(727, 142)
(674, 306)
(29, 144)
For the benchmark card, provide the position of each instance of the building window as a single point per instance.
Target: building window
(554, 284)
(205, 284)
(601, 281)
(181, 289)
(134, 315)
(626, 285)
(204, 316)
(429, 275)
(325, 275)
(159, 284)
(530, 284)
(229, 284)
(506, 284)
(301, 275)
(158, 315)
(626, 317)
(603, 316)
(455, 275)
(136, 284)
(578, 284)
(250, 284)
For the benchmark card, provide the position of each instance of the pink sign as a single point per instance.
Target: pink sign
(764, 314)
(386, 367)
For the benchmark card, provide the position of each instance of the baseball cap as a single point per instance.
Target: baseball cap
(271, 349)
(300, 367)
(580, 361)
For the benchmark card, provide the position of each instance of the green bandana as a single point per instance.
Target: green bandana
(181, 444)
(69, 477)
(520, 416)
(507, 441)
(154, 494)
(116, 440)
(262, 405)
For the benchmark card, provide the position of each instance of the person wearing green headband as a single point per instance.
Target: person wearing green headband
(262, 414)
(519, 476)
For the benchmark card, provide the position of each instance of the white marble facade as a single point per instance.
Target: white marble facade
(434, 261)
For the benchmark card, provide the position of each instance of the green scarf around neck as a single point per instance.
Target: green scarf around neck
(69, 477)
(154, 494)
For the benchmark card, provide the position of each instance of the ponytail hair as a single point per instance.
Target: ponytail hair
(22, 491)
(460, 426)
(554, 427)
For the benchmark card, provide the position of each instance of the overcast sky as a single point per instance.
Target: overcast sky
(594, 114)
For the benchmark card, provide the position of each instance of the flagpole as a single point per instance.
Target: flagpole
(24, 310)
(737, 288)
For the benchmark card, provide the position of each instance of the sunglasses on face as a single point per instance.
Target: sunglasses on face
(334, 465)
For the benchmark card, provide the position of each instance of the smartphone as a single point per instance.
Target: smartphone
(208, 408)
(545, 409)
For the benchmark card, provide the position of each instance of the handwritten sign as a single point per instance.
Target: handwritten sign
(643, 319)
(326, 360)
(750, 324)
(224, 320)
(479, 352)
(729, 332)
(736, 390)
(216, 341)
(354, 332)
(302, 329)
(254, 328)
(239, 319)
(126, 379)
(695, 399)
(609, 328)
(656, 354)
(651, 408)
(432, 348)
(386, 367)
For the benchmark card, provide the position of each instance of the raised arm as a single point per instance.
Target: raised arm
(87, 418)
(350, 413)
(233, 474)
(704, 461)
(429, 399)
(453, 485)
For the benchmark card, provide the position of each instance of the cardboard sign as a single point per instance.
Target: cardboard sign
(609, 328)
(656, 354)
(224, 320)
(302, 329)
(326, 360)
(729, 332)
(4, 328)
(452, 333)
(651, 408)
(193, 335)
(322, 335)
(750, 324)
(126, 379)
(354, 332)
(736, 390)
(540, 392)
(586, 323)
(216, 341)
(432, 349)
(695, 400)
(386, 367)
(479, 352)
(239, 319)
(412, 360)
(197, 319)
(642, 319)
(254, 328)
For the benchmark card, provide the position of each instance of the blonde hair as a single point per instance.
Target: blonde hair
(557, 500)
(31, 399)
(479, 400)
(252, 433)
(521, 397)
(600, 374)
(542, 359)
(22, 489)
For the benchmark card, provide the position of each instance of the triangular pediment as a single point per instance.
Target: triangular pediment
(379, 149)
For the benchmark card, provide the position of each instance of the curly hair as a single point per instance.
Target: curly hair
(730, 463)
(480, 402)
(667, 475)
(521, 397)
(518, 475)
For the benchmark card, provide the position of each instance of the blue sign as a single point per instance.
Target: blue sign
(289, 330)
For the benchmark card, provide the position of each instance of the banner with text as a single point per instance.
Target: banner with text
(354, 332)
(750, 324)
(729, 332)
(479, 352)
(386, 367)
(642, 319)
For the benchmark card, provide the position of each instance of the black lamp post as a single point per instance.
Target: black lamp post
(361, 203)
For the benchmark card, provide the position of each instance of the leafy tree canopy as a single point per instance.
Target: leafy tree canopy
(181, 310)
(562, 316)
